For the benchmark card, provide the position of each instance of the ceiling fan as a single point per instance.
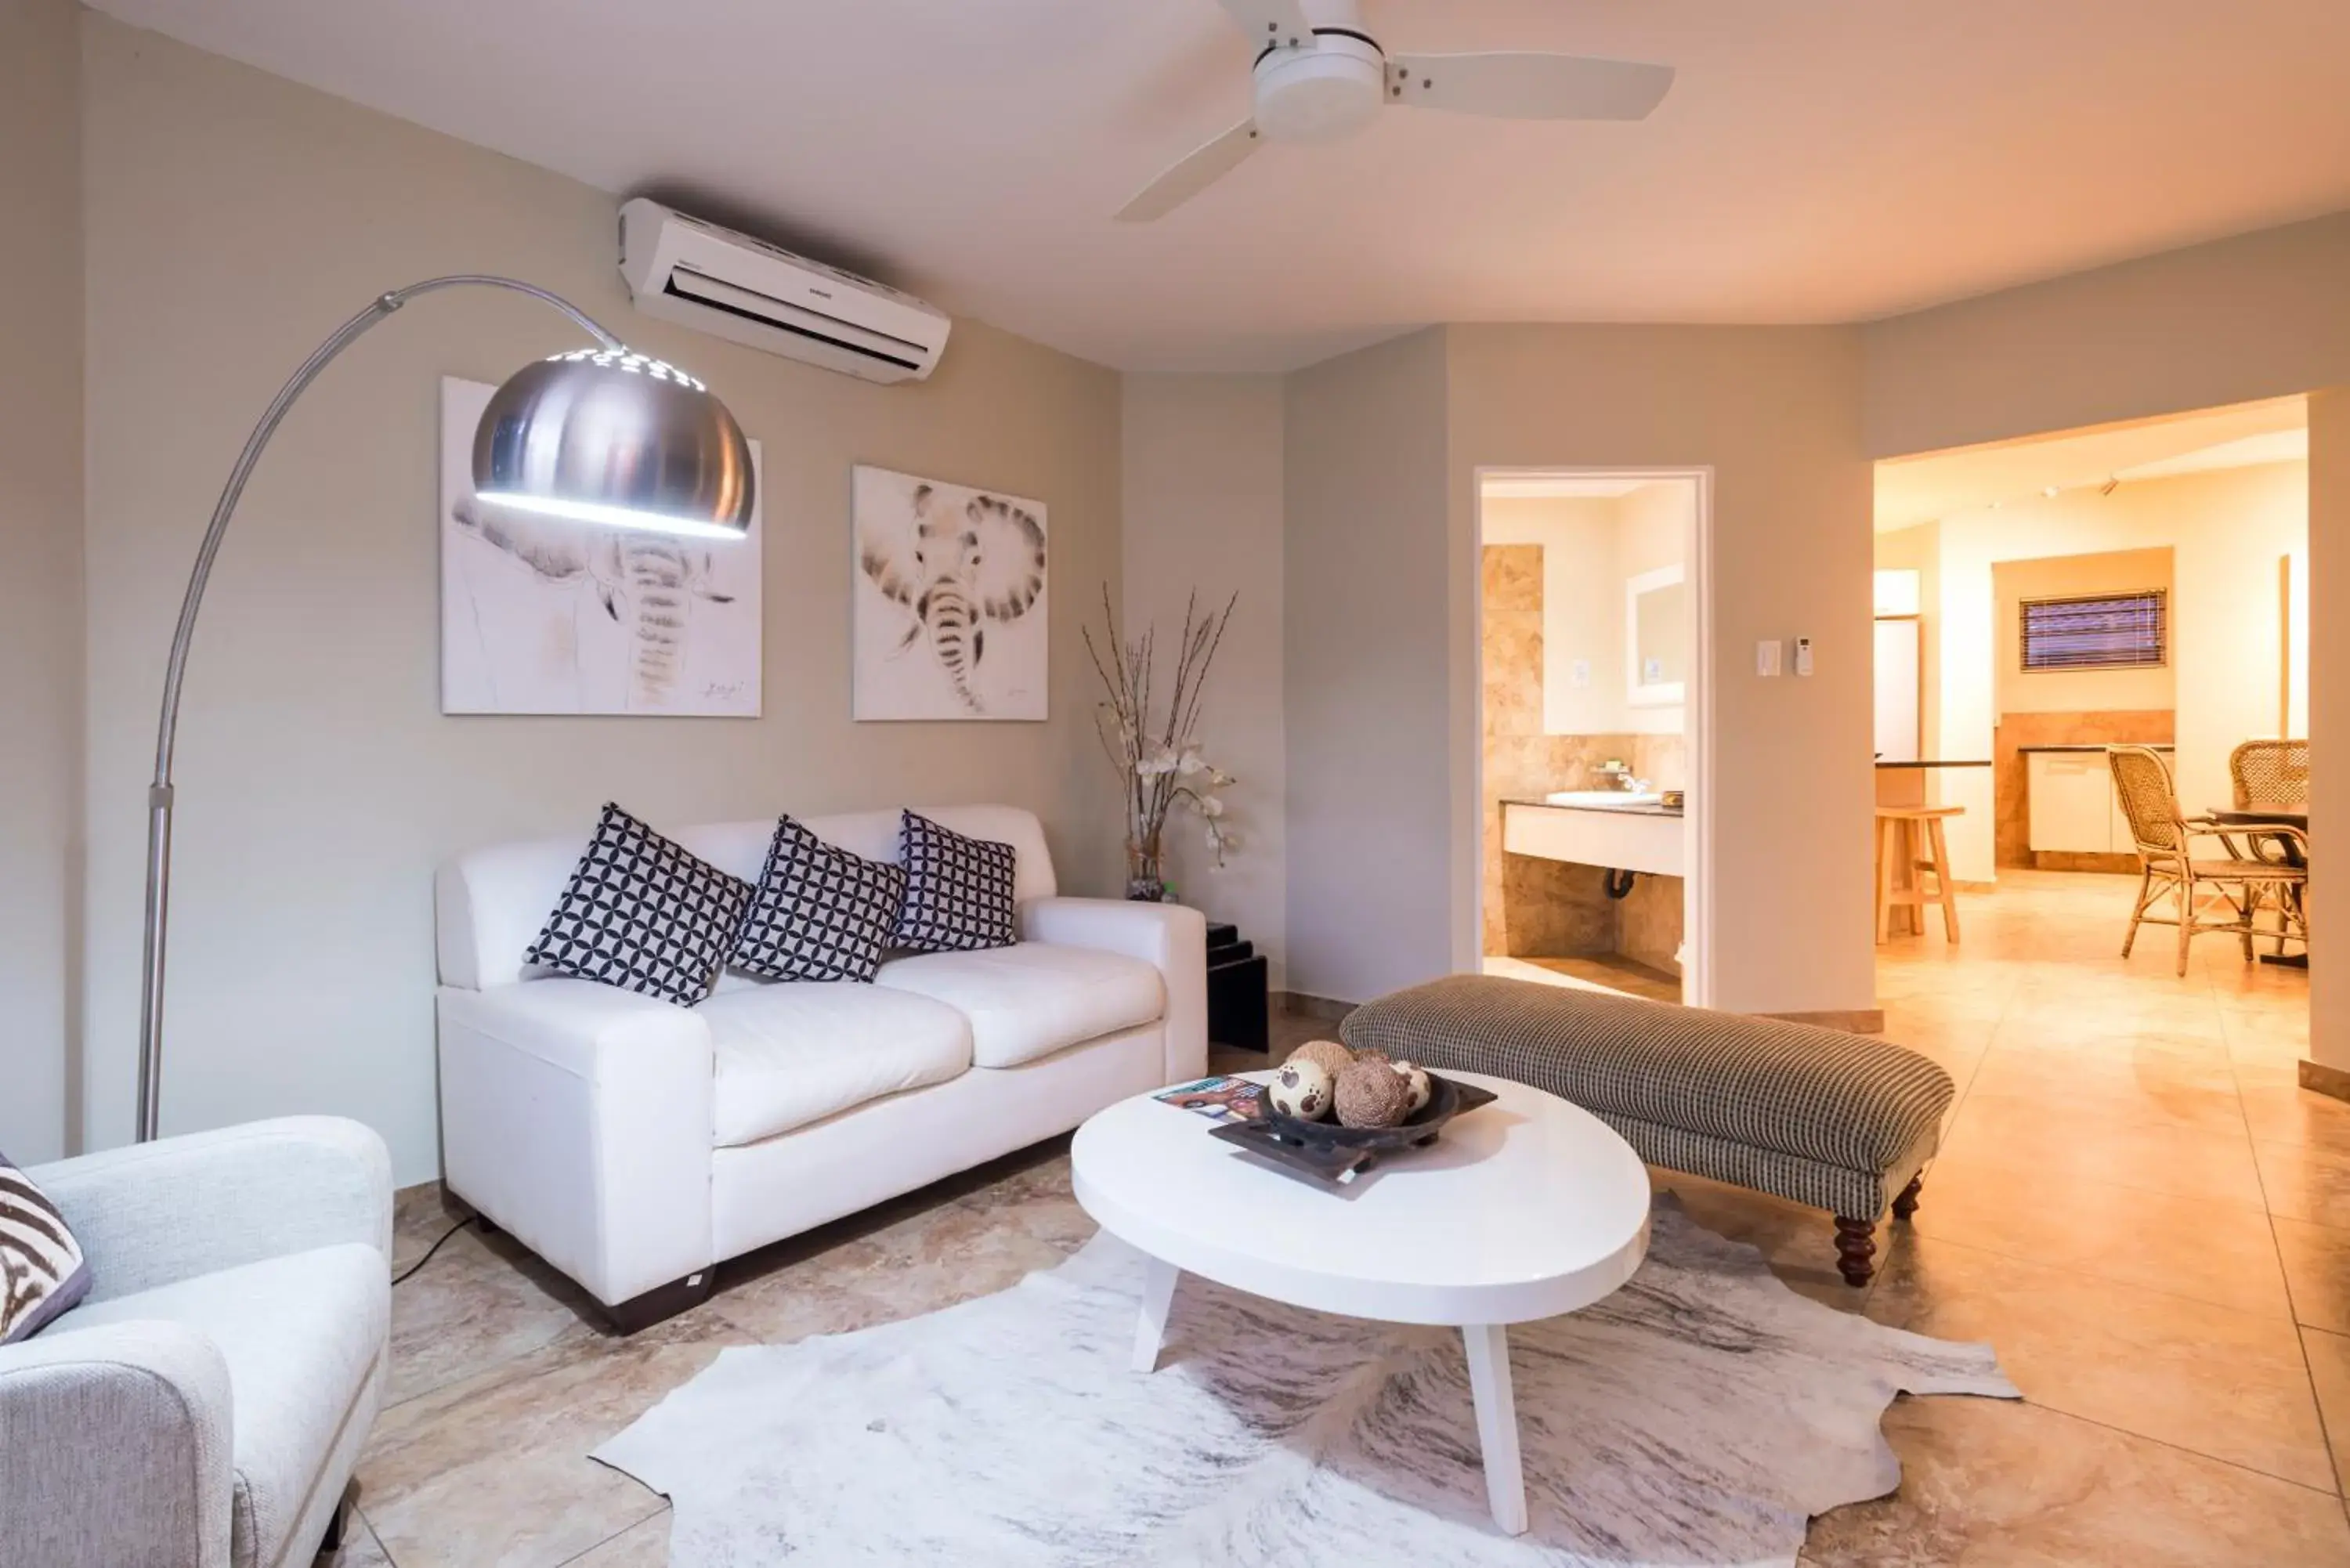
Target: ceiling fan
(1320, 76)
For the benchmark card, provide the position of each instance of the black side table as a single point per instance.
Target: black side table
(1238, 1013)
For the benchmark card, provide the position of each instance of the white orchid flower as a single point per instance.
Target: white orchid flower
(1208, 806)
(1190, 763)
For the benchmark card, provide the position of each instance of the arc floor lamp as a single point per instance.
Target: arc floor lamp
(602, 437)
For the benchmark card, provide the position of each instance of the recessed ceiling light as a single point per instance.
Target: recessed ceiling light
(2050, 492)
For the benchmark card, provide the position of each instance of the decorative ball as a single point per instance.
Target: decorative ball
(1372, 1095)
(1327, 1054)
(1301, 1089)
(1415, 1078)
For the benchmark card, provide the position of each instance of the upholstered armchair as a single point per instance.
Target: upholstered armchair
(205, 1405)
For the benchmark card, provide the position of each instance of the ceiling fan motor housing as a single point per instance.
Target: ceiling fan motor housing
(1322, 91)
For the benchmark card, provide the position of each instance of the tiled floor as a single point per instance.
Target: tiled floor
(2136, 1204)
(1613, 970)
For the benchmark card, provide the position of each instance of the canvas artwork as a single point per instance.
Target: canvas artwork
(950, 614)
(540, 615)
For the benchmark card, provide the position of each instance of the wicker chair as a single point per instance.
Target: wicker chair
(2167, 866)
(2271, 775)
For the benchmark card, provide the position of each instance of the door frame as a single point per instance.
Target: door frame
(1698, 707)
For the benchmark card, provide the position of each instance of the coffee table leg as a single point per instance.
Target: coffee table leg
(1487, 1345)
(1158, 1296)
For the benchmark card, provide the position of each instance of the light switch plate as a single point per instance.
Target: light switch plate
(1803, 655)
(1766, 657)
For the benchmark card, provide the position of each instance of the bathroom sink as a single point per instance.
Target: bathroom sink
(1604, 799)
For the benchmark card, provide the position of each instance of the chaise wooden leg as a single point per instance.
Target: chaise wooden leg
(1856, 1250)
(1906, 1204)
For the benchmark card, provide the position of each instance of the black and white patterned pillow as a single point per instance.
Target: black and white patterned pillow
(643, 914)
(41, 1271)
(958, 889)
(819, 912)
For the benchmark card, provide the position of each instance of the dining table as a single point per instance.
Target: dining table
(2255, 818)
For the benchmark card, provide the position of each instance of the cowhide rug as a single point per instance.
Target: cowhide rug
(1699, 1416)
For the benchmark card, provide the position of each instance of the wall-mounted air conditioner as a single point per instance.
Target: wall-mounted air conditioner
(717, 281)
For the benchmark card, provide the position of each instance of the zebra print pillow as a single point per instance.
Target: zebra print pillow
(643, 914)
(820, 912)
(958, 889)
(41, 1271)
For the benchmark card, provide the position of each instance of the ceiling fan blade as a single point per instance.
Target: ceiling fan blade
(1512, 85)
(1279, 23)
(1192, 174)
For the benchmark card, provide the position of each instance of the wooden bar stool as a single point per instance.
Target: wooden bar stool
(1909, 842)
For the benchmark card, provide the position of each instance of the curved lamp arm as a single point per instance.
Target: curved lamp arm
(159, 794)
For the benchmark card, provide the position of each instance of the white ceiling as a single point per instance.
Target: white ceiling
(1816, 160)
(1914, 490)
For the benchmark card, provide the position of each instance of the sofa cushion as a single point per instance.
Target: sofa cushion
(1031, 999)
(820, 912)
(788, 1054)
(301, 1334)
(642, 913)
(961, 893)
(41, 1271)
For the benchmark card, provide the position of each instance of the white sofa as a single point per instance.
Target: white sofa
(205, 1404)
(633, 1143)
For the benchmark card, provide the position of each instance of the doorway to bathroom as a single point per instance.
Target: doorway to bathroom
(1591, 634)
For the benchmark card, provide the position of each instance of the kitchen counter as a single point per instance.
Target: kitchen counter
(2099, 746)
(1959, 763)
(1602, 810)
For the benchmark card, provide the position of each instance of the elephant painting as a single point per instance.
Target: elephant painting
(543, 616)
(950, 614)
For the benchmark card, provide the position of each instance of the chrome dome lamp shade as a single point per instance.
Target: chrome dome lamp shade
(615, 439)
(600, 436)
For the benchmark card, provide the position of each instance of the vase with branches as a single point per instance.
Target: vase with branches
(1157, 753)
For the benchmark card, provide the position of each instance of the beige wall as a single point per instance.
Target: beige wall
(1378, 741)
(1919, 550)
(2015, 689)
(235, 218)
(1582, 606)
(40, 585)
(1775, 414)
(2259, 316)
(1203, 510)
(2329, 705)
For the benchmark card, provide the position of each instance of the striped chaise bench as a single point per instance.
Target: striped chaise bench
(1842, 1121)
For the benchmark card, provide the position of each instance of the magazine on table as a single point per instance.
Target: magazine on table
(1221, 1098)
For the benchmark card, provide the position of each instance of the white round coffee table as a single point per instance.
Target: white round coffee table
(1523, 1209)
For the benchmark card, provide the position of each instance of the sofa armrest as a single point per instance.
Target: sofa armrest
(1171, 937)
(114, 1448)
(153, 1213)
(578, 1116)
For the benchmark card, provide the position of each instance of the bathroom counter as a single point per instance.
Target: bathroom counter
(1618, 838)
(1673, 811)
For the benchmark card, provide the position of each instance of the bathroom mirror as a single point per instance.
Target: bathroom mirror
(1656, 637)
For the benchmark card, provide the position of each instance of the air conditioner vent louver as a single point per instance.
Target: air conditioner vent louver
(734, 287)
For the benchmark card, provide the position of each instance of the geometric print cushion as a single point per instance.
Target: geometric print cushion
(643, 914)
(42, 1272)
(819, 912)
(958, 889)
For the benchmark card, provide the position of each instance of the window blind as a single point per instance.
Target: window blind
(2104, 631)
